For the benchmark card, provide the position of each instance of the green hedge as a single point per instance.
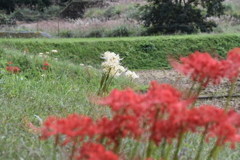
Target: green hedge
(138, 52)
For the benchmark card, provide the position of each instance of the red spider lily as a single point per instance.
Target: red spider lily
(44, 68)
(93, 151)
(234, 55)
(125, 102)
(171, 124)
(201, 67)
(119, 127)
(224, 132)
(149, 108)
(162, 94)
(232, 64)
(206, 114)
(73, 126)
(46, 63)
(13, 69)
(9, 62)
(224, 126)
(128, 102)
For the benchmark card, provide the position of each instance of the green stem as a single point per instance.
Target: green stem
(180, 139)
(166, 157)
(73, 150)
(215, 155)
(133, 153)
(163, 147)
(118, 145)
(149, 149)
(55, 147)
(201, 143)
(214, 152)
(191, 89)
(103, 82)
(230, 92)
(198, 92)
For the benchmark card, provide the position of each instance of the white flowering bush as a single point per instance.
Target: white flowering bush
(112, 68)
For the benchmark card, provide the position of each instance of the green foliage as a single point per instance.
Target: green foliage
(35, 4)
(96, 33)
(8, 5)
(111, 12)
(121, 31)
(138, 52)
(30, 15)
(65, 34)
(94, 13)
(52, 10)
(167, 16)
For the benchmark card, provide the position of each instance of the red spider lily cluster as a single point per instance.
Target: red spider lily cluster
(46, 65)
(12, 69)
(203, 68)
(162, 115)
(158, 115)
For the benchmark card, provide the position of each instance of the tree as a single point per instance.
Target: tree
(37, 4)
(8, 5)
(185, 16)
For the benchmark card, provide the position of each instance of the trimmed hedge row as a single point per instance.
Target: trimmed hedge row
(138, 52)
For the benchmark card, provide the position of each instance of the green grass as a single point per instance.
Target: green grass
(66, 88)
(138, 52)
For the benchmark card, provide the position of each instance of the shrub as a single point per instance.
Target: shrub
(122, 31)
(96, 33)
(65, 34)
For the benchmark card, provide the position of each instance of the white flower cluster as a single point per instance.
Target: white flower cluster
(46, 54)
(131, 74)
(112, 65)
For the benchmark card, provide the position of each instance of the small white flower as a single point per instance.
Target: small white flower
(40, 119)
(131, 74)
(117, 74)
(134, 75)
(47, 52)
(121, 69)
(56, 59)
(81, 64)
(54, 51)
(40, 53)
(43, 75)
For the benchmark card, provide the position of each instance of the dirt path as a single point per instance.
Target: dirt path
(183, 83)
